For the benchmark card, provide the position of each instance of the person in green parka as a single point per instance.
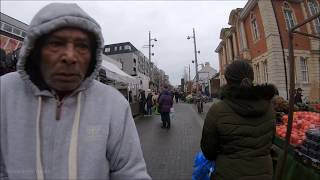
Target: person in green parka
(238, 130)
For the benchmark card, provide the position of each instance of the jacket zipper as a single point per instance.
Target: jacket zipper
(58, 108)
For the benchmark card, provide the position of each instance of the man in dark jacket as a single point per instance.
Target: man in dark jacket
(165, 104)
(238, 130)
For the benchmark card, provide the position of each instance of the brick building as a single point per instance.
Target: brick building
(259, 34)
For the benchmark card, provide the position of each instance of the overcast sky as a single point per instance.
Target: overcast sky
(169, 21)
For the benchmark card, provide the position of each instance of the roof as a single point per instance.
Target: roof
(14, 22)
(113, 72)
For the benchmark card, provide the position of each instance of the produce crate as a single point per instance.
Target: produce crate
(300, 155)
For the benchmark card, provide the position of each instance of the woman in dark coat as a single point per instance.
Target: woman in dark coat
(238, 130)
(149, 103)
(165, 104)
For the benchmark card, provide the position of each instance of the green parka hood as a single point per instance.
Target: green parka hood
(248, 102)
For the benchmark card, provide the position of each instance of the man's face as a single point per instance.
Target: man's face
(65, 58)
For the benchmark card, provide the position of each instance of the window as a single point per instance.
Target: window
(115, 48)
(120, 48)
(16, 31)
(257, 73)
(127, 47)
(304, 69)
(134, 61)
(134, 70)
(254, 27)
(1, 25)
(107, 49)
(288, 15)
(23, 34)
(240, 36)
(314, 9)
(265, 71)
(7, 28)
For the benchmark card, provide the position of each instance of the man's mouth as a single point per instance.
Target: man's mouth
(67, 76)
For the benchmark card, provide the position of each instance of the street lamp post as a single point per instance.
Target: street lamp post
(151, 54)
(150, 45)
(195, 56)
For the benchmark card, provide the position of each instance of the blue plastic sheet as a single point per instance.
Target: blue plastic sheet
(202, 168)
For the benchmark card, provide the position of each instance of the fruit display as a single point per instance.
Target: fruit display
(302, 122)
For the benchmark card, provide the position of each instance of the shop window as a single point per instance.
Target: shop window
(314, 9)
(288, 15)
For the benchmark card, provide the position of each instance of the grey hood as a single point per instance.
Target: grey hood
(50, 18)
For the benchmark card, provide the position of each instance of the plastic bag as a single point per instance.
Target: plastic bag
(171, 113)
(202, 168)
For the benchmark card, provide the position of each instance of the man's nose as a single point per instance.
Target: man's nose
(70, 54)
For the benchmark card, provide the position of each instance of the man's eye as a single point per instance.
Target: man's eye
(83, 47)
(55, 43)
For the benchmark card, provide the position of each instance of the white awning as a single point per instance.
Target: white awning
(114, 73)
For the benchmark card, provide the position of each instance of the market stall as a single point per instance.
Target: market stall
(297, 142)
(112, 75)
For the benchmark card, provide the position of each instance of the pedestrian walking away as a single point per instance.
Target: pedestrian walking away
(149, 103)
(60, 123)
(165, 104)
(142, 102)
(238, 130)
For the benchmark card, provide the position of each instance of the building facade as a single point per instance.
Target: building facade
(205, 74)
(135, 63)
(259, 35)
(12, 33)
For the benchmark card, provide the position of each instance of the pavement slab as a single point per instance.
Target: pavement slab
(169, 154)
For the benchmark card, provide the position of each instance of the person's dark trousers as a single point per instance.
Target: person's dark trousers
(141, 108)
(177, 99)
(149, 110)
(163, 120)
(166, 119)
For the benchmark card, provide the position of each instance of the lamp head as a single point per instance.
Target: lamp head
(188, 37)
(155, 39)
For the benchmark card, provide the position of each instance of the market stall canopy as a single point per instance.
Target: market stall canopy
(114, 73)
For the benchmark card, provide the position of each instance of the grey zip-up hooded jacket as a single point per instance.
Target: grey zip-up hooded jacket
(95, 136)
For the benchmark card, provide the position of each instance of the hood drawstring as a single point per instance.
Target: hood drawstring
(73, 151)
(39, 169)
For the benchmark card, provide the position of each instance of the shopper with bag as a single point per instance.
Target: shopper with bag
(165, 104)
(238, 131)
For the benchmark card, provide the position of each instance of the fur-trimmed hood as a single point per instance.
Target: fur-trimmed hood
(50, 18)
(253, 101)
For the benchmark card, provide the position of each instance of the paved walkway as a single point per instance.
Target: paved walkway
(169, 154)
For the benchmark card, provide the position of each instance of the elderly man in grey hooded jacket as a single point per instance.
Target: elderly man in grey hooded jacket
(57, 122)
